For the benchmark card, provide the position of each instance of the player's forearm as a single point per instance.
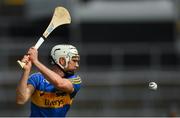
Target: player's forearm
(21, 91)
(52, 77)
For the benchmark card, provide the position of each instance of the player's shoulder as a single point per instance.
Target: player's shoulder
(75, 79)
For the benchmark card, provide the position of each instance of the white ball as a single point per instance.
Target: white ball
(153, 86)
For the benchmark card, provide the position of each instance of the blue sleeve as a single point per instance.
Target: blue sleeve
(33, 80)
(76, 84)
(76, 88)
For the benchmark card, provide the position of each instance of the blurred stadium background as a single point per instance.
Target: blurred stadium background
(124, 44)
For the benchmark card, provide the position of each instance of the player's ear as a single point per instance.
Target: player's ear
(62, 61)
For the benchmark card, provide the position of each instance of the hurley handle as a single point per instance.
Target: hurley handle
(37, 45)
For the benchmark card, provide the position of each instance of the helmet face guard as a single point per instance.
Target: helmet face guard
(63, 51)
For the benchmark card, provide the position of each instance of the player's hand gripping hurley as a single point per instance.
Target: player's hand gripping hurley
(61, 16)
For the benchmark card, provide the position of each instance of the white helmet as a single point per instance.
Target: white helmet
(66, 51)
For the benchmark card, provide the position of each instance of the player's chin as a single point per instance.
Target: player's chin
(73, 70)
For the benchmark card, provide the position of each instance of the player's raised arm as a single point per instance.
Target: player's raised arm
(54, 76)
(24, 91)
